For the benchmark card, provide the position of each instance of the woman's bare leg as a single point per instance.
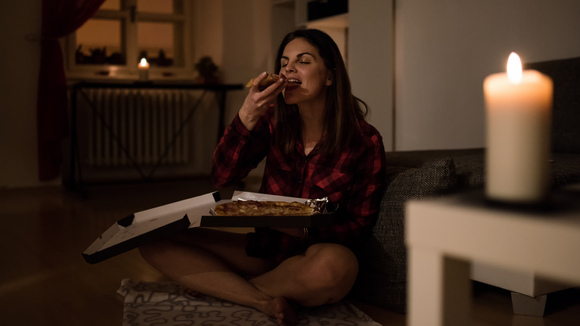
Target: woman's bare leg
(324, 274)
(211, 262)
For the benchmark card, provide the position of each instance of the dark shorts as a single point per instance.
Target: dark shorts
(273, 245)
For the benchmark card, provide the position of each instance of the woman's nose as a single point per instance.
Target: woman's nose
(289, 67)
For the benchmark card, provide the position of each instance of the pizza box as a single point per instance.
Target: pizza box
(142, 227)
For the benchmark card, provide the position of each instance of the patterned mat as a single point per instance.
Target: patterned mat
(168, 304)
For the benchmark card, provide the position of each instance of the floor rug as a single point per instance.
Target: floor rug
(168, 304)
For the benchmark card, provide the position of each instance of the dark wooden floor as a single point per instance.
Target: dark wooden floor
(44, 279)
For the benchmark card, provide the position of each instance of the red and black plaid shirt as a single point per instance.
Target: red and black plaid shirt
(353, 178)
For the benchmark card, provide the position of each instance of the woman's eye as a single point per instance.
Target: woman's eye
(304, 62)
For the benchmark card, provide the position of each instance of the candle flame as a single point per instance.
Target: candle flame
(514, 68)
(143, 62)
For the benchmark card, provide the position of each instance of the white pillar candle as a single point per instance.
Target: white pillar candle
(519, 111)
(143, 69)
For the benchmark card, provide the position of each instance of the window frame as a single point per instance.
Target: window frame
(129, 40)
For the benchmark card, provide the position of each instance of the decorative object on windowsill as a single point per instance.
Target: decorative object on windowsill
(519, 111)
(99, 56)
(143, 69)
(162, 60)
(80, 57)
(143, 54)
(208, 71)
(116, 58)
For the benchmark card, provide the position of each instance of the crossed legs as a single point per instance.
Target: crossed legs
(215, 263)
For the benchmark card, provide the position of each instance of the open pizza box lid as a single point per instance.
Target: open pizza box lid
(159, 222)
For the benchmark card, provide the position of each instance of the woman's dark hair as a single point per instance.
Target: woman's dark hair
(343, 111)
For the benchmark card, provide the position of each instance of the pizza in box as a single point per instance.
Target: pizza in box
(264, 208)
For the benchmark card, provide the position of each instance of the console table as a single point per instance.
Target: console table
(78, 89)
(444, 235)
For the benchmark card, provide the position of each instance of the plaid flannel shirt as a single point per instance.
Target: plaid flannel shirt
(353, 178)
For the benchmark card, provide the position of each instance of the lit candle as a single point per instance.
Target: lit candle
(519, 111)
(143, 69)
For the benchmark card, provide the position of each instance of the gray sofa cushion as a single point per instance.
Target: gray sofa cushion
(565, 169)
(383, 263)
(469, 163)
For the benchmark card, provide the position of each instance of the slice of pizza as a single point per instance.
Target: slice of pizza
(263, 208)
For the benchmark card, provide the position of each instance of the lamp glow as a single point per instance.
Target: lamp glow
(514, 68)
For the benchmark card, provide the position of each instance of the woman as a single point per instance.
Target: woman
(312, 131)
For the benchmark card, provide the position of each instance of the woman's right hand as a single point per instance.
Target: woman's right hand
(257, 103)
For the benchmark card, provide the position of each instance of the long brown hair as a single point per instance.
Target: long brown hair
(343, 111)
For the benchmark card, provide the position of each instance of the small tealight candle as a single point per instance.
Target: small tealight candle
(143, 69)
(519, 112)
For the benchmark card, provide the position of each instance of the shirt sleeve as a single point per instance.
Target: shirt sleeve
(362, 203)
(239, 151)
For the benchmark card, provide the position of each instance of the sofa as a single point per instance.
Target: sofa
(382, 279)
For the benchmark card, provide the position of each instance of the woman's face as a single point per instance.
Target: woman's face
(305, 71)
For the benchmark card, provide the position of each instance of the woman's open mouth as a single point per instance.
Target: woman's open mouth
(293, 83)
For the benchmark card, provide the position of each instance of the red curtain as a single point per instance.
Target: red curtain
(59, 18)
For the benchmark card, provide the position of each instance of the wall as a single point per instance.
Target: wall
(247, 46)
(208, 29)
(19, 66)
(247, 50)
(445, 48)
(208, 40)
(237, 34)
(370, 61)
(283, 22)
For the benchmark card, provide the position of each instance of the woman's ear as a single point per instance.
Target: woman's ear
(329, 77)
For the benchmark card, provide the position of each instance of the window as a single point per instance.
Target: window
(123, 32)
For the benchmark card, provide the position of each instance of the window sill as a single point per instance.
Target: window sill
(103, 75)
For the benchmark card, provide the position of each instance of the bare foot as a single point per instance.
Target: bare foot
(281, 310)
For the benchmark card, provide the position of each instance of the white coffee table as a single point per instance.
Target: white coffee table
(444, 235)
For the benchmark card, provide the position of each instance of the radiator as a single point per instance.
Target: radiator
(129, 127)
